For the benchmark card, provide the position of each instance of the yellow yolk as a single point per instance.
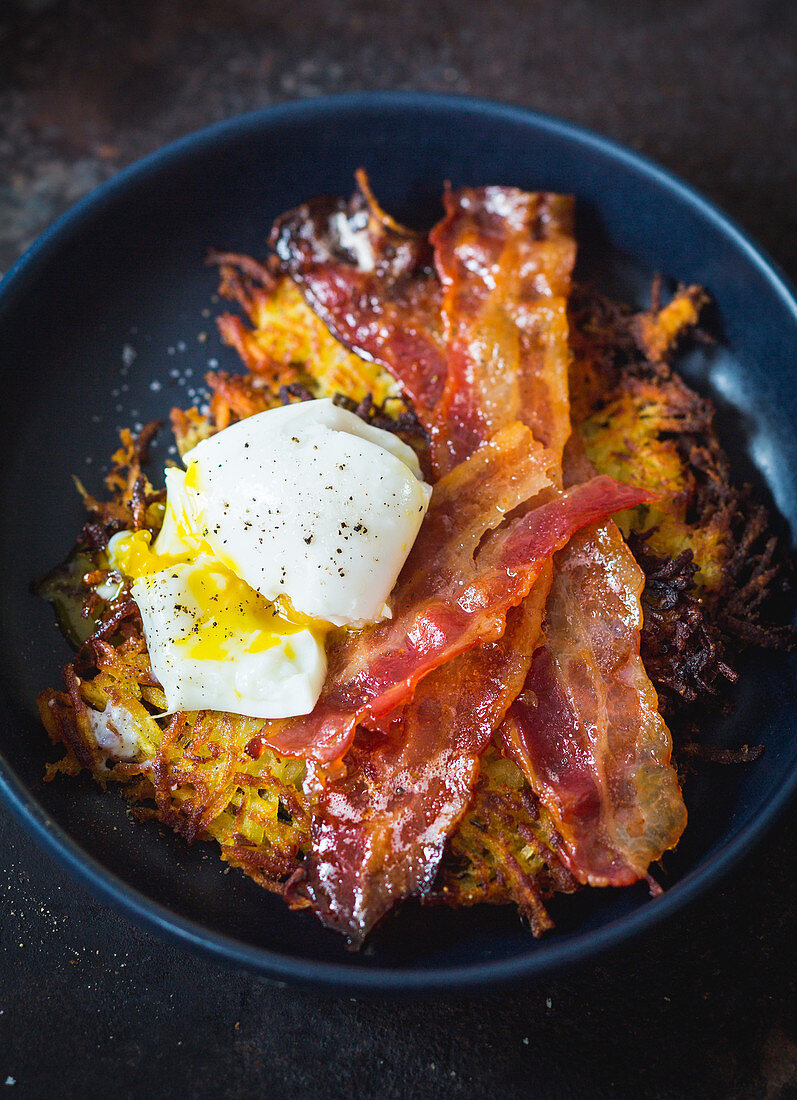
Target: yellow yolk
(131, 553)
(229, 609)
(192, 476)
(228, 616)
(229, 606)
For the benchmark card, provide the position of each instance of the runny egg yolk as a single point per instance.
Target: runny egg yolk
(131, 553)
(230, 609)
(233, 617)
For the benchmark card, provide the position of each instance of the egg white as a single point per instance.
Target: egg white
(284, 525)
(311, 502)
(272, 677)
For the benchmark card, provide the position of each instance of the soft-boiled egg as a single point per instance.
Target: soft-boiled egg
(282, 526)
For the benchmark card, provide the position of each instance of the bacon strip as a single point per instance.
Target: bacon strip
(378, 833)
(504, 258)
(453, 592)
(373, 285)
(586, 729)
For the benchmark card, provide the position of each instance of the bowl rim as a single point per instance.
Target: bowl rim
(279, 966)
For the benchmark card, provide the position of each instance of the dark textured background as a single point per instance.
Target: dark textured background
(90, 1005)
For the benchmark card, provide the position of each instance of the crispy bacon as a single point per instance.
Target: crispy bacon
(379, 832)
(372, 283)
(505, 308)
(589, 707)
(586, 730)
(504, 258)
(455, 589)
(492, 349)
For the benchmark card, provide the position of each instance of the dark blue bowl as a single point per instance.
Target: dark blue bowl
(124, 269)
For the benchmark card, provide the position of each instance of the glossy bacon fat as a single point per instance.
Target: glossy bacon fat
(379, 832)
(586, 730)
(504, 258)
(373, 284)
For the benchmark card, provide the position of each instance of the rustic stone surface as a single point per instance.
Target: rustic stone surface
(90, 1005)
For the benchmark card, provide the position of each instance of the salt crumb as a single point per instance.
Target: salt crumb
(181, 345)
(547, 1002)
(11, 1080)
(213, 363)
(128, 354)
(155, 385)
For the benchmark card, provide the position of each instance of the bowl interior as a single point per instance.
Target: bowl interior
(110, 322)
